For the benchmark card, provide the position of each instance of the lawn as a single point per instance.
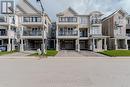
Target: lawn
(116, 53)
(5, 52)
(49, 53)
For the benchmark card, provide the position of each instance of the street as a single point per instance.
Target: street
(73, 72)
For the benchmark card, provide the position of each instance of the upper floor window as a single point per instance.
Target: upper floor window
(7, 7)
(95, 19)
(67, 19)
(95, 30)
(83, 20)
(32, 19)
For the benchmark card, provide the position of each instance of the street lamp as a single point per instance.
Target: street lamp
(43, 38)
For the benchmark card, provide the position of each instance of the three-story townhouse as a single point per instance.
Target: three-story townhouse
(128, 29)
(67, 30)
(32, 25)
(79, 32)
(8, 25)
(114, 26)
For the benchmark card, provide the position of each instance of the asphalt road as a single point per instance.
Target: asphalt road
(71, 72)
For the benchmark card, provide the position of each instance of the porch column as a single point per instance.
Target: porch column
(126, 44)
(54, 44)
(21, 46)
(99, 44)
(57, 45)
(77, 45)
(9, 40)
(105, 45)
(57, 30)
(93, 45)
(13, 46)
(116, 44)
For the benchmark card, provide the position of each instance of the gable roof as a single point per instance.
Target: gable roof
(21, 9)
(68, 9)
(26, 7)
(111, 15)
(31, 6)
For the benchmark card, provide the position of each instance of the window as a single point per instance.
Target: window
(7, 7)
(32, 19)
(83, 20)
(26, 19)
(67, 19)
(95, 30)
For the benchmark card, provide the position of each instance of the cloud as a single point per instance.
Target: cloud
(52, 7)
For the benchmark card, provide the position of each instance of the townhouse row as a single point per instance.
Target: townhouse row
(22, 27)
(94, 31)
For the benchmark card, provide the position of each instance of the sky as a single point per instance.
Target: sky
(52, 7)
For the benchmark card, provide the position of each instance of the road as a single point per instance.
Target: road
(78, 72)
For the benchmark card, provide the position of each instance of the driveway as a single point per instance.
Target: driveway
(80, 72)
(91, 54)
(68, 53)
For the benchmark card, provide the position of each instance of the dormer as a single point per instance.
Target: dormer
(69, 15)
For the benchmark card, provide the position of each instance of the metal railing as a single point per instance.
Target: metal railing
(128, 35)
(32, 33)
(72, 33)
(2, 19)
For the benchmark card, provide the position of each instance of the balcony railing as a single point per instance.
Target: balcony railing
(73, 33)
(68, 19)
(3, 34)
(2, 19)
(32, 20)
(128, 35)
(32, 33)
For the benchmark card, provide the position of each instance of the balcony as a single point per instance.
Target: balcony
(32, 20)
(72, 34)
(127, 26)
(3, 20)
(29, 34)
(68, 20)
(128, 34)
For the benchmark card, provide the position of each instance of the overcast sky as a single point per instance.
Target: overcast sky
(52, 7)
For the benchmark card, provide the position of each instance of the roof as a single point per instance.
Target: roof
(107, 16)
(68, 9)
(25, 6)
